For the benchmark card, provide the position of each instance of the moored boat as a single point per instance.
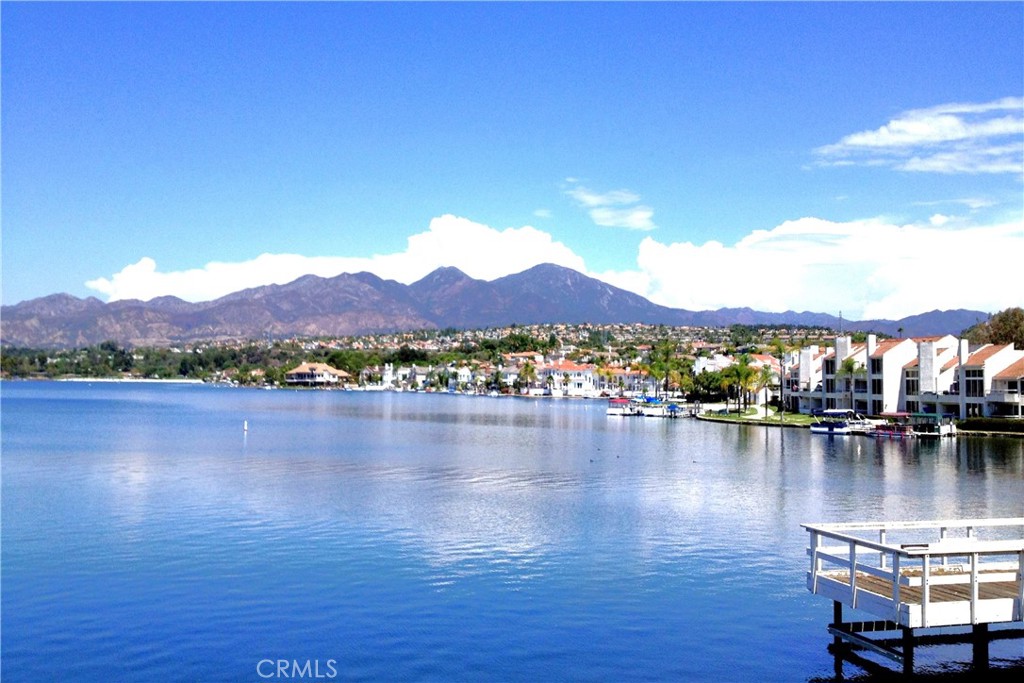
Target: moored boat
(930, 425)
(897, 426)
(621, 406)
(831, 422)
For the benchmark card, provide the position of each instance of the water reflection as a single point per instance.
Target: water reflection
(544, 519)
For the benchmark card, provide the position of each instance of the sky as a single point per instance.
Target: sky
(856, 158)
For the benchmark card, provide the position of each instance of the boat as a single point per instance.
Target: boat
(621, 406)
(898, 428)
(932, 425)
(653, 407)
(831, 422)
(858, 424)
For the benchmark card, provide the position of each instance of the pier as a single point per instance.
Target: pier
(924, 582)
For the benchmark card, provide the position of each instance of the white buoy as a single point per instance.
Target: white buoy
(245, 425)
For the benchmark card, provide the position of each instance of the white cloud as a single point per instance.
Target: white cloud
(591, 199)
(866, 269)
(542, 213)
(634, 218)
(478, 250)
(614, 209)
(950, 138)
(870, 268)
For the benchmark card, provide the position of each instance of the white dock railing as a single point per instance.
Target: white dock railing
(920, 556)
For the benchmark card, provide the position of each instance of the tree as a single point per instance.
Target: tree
(661, 362)
(848, 369)
(742, 376)
(1005, 327)
(527, 375)
(727, 379)
(764, 378)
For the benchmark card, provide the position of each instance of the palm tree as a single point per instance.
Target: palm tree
(762, 380)
(528, 374)
(741, 375)
(728, 379)
(849, 368)
(661, 362)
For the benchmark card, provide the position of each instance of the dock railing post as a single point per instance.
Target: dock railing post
(881, 553)
(1020, 586)
(896, 587)
(942, 537)
(974, 589)
(925, 589)
(815, 560)
(853, 574)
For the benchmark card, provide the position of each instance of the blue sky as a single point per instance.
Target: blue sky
(862, 157)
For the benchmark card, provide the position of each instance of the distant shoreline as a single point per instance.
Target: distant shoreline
(128, 380)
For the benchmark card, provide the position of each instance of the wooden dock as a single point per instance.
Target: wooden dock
(917, 576)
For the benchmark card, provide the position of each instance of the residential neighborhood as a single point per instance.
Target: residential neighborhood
(943, 375)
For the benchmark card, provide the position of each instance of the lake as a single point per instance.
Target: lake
(384, 536)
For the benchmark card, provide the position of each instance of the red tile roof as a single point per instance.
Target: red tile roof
(885, 346)
(984, 353)
(1015, 371)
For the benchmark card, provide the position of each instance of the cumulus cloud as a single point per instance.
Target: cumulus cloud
(871, 268)
(950, 138)
(866, 269)
(613, 209)
(478, 250)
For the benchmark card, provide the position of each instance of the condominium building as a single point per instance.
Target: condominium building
(940, 375)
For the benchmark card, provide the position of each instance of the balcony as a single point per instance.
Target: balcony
(1005, 397)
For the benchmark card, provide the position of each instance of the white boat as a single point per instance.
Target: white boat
(832, 422)
(621, 406)
(930, 425)
(857, 423)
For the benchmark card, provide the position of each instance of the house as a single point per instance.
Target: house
(1007, 395)
(315, 375)
(566, 378)
(978, 392)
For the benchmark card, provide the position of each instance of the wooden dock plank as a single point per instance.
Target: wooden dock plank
(948, 592)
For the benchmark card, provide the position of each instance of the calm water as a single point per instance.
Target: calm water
(429, 537)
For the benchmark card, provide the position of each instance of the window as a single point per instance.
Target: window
(876, 366)
(876, 386)
(830, 366)
(912, 384)
(830, 386)
(912, 407)
(975, 385)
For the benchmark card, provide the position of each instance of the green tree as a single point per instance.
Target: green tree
(848, 370)
(527, 375)
(762, 379)
(1005, 327)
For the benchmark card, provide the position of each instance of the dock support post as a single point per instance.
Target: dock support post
(837, 620)
(908, 651)
(979, 640)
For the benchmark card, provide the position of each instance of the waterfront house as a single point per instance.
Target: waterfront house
(1007, 395)
(977, 377)
(315, 375)
(567, 378)
(938, 375)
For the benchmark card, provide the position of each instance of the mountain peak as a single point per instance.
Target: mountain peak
(444, 275)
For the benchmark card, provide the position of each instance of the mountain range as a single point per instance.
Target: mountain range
(362, 303)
